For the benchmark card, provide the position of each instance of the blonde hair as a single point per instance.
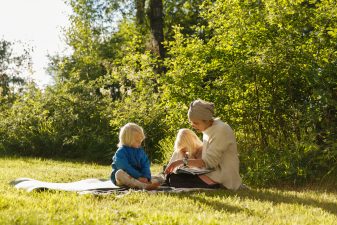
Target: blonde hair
(188, 140)
(127, 134)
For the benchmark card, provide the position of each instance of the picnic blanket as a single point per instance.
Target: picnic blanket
(88, 186)
(29, 184)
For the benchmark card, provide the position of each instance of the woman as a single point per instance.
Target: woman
(219, 152)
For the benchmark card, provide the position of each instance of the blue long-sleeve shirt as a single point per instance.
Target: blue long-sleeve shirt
(134, 161)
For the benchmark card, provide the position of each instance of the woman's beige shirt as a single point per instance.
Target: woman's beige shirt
(220, 152)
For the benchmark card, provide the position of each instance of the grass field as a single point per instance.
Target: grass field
(256, 206)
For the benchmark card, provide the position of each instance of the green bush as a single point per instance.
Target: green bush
(64, 121)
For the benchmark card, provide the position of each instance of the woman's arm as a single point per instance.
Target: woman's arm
(190, 162)
(221, 141)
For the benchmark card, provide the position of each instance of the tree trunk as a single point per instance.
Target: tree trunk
(155, 14)
(140, 14)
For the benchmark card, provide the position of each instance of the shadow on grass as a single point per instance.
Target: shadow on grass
(262, 196)
(215, 204)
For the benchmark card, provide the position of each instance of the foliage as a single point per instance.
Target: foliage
(81, 119)
(166, 146)
(12, 64)
(183, 13)
(263, 67)
(268, 66)
(69, 121)
(137, 99)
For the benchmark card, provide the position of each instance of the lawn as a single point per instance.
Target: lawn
(256, 206)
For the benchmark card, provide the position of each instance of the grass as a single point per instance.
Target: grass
(256, 206)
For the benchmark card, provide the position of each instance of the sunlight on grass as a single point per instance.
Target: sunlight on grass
(256, 206)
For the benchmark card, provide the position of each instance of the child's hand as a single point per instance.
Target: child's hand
(143, 180)
(172, 166)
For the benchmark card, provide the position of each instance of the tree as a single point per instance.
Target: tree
(268, 67)
(11, 67)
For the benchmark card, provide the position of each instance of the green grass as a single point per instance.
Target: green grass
(256, 206)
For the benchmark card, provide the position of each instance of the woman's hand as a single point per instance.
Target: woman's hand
(173, 165)
(191, 162)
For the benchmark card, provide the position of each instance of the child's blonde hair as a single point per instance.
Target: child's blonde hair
(188, 140)
(127, 134)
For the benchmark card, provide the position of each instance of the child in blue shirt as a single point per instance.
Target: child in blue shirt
(130, 164)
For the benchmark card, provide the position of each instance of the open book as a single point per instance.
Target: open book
(193, 170)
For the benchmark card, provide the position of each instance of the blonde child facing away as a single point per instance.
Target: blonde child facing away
(130, 164)
(186, 145)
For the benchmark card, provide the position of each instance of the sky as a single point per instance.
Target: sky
(38, 23)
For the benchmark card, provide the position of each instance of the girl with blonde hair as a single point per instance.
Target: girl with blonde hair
(130, 164)
(186, 145)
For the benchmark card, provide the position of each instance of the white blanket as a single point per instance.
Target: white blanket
(29, 184)
(89, 186)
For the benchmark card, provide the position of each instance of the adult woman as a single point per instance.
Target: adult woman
(219, 152)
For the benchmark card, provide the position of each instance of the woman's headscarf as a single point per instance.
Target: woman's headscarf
(201, 110)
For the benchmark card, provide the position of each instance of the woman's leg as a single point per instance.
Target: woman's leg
(123, 178)
(188, 181)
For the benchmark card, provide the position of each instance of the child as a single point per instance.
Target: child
(186, 145)
(130, 164)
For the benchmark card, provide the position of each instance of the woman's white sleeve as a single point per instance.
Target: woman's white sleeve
(216, 148)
